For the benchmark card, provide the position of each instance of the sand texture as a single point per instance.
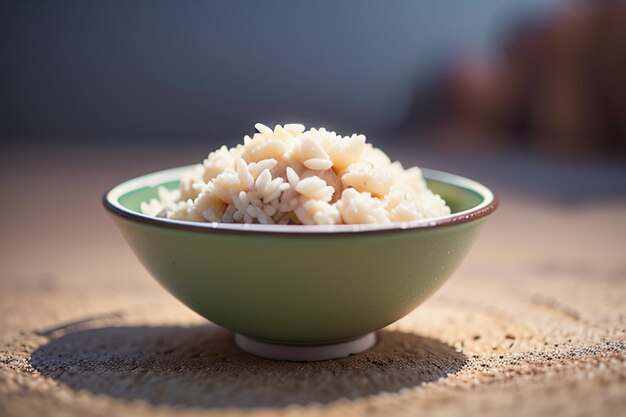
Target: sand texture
(532, 324)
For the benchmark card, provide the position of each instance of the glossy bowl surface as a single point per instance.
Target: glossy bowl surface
(301, 284)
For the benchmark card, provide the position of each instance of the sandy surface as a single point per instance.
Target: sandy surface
(532, 324)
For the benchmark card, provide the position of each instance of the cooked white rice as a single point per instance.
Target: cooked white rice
(290, 175)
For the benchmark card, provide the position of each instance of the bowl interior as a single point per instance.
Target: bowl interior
(461, 194)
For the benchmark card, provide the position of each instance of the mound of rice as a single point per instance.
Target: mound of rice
(290, 175)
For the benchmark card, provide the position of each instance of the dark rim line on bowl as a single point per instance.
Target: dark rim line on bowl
(488, 206)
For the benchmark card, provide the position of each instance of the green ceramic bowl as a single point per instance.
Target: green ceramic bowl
(306, 285)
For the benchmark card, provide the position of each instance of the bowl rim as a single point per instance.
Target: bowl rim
(111, 202)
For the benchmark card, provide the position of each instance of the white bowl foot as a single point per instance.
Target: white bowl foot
(304, 353)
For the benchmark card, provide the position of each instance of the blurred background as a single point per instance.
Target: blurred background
(527, 95)
(527, 79)
(543, 74)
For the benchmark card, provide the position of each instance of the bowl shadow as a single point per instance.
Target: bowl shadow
(201, 367)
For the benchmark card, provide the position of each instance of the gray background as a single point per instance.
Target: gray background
(94, 72)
